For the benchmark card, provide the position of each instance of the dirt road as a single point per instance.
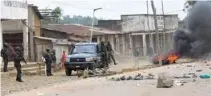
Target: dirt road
(105, 87)
(9, 85)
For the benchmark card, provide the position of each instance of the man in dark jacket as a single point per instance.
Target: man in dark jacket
(53, 53)
(110, 52)
(5, 56)
(48, 61)
(18, 57)
(104, 54)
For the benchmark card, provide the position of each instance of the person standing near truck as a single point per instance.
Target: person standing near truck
(18, 57)
(48, 61)
(110, 53)
(104, 54)
(63, 59)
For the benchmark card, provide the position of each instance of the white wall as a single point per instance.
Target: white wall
(140, 22)
(12, 26)
(14, 9)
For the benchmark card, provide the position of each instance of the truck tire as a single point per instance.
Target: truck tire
(68, 72)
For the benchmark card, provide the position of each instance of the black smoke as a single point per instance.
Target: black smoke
(194, 40)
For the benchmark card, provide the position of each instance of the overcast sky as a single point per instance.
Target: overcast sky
(112, 9)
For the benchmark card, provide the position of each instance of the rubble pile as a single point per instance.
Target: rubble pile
(139, 76)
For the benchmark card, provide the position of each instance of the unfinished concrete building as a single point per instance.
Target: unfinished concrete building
(137, 33)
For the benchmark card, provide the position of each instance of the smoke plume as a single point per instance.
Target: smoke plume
(194, 40)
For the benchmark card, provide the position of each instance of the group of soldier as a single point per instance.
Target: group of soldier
(17, 58)
(107, 53)
(49, 58)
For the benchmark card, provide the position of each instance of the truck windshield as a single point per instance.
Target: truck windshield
(83, 49)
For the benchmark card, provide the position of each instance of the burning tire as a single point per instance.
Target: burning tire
(169, 58)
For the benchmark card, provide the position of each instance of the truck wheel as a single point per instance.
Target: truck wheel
(68, 72)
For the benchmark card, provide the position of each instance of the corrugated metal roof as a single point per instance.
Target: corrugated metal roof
(80, 30)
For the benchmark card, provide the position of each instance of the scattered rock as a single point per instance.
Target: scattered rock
(199, 70)
(117, 79)
(129, 78)
(186, 76)
(194, 80)
(150, 76)
(122, 78)
(112, 78)
(138, 77)
(179, 84)
(40, 94)
(165, 80)
(189, 65)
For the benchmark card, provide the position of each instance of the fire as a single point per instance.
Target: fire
(172, 58)
(169, 58)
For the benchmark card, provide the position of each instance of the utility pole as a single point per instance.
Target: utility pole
(151, 34)
(164, 27)
(157, 32)
(93, 22)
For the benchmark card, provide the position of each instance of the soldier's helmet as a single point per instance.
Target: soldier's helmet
(47, 50)
(17, 49)
(5, 44)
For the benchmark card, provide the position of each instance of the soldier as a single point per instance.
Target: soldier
(5, 55)
(104, 53)
(54, 56)
(48, 61)
(18, 57)
(110, 53)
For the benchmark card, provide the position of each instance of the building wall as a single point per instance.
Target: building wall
(59, 50)
(53, 34)
(12, 26)
(110, 24)
(139, 23)
(40, 47)
(37, 24)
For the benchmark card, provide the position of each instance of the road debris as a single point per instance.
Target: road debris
(122, 78)
(165, 80)
(205, 76)
(199, 70)
(40, 94)
(189, 65)
(129, 78)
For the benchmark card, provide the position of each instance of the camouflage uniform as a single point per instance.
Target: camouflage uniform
(18, 57)
(48, 61)
(104, 54)
(5, 56)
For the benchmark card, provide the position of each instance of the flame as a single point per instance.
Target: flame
(172, 57)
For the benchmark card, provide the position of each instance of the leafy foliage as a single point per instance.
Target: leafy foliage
(77, 19)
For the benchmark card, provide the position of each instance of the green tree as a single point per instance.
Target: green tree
(52, 16)
(77, 19)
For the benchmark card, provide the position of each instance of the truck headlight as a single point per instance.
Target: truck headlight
(89, 59)
(67, 59)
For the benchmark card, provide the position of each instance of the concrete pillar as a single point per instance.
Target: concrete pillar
(25, 39)
(1, 40)
(131, 43)
(152, 42)
(112, 41)
(118, 43)
(123, 43)
(98, 39)
(144, 44)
